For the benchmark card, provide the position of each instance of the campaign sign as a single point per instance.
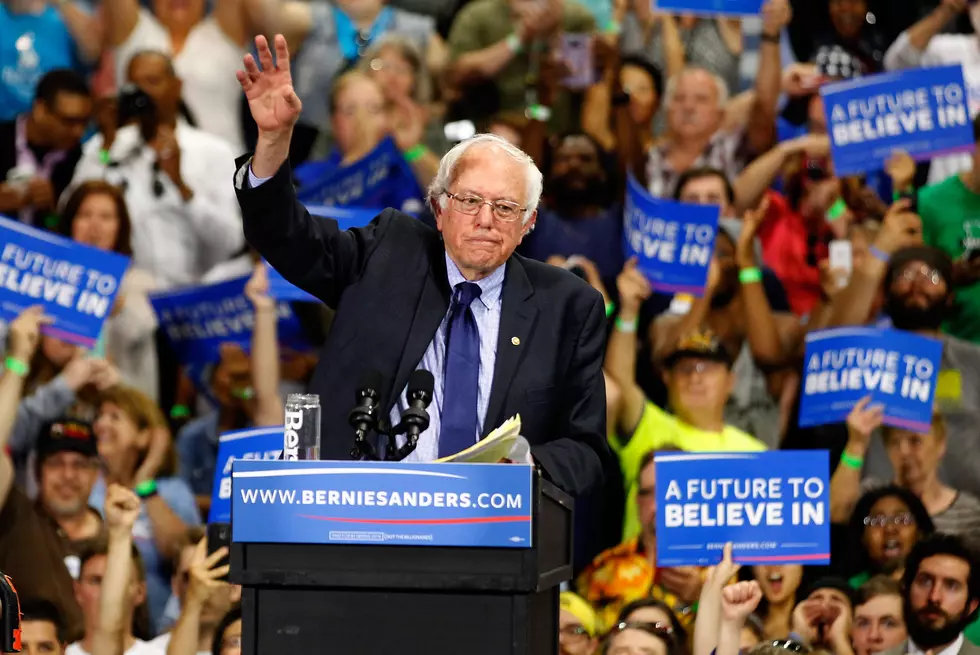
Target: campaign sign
(710, 7)
(897, 369)
(381, 179)
(774, 507)
(76, 284)
(251, 444)
(197, 320)
(390, 503)
(282, 289)
(346, 217)
(923, 111)
(673, 242)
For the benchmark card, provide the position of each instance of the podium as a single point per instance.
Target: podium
(309, 591)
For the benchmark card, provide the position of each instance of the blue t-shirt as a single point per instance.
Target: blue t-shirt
(30, 46)
(180, 500)
(599, 239)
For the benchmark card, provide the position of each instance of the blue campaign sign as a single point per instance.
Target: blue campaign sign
(197, 320)
(711, 7)
(282, 289)
(346, 217)
(672, 242)
(774, 507)
(76, 284)
(391, 503)
(897, 369)
(251, 444)
(924, 112)
(380, 179)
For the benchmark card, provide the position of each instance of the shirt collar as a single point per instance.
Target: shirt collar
(952, 649)
(490, 286)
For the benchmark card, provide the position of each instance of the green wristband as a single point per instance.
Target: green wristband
(610, 309)
(836, 210)
(17, 367)
(750, 275)
(146, 489)
(179, 411)
(852, 461)
(613, 26)
(514, 43)
(414, 153)
(104, 157)
(627, 327)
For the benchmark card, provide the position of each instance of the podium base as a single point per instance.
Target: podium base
(381, 622)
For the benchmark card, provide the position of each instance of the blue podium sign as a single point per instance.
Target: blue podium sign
(774, 507)
(390, 503)
(252, 443)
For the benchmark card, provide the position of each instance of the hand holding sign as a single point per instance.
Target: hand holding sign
(683, 581)
(863, 420)
(24, 333)
(719, 575)
(739, 600)
(901, 169)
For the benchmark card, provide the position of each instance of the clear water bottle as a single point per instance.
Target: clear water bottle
(301, 439)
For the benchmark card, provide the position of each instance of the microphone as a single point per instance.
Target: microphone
(415, 420)
(363, 418)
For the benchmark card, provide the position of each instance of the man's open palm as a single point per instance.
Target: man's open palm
(274, 104)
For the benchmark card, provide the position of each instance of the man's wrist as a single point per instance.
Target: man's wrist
(119, 534)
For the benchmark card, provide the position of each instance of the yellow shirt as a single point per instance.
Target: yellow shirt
(657, 429)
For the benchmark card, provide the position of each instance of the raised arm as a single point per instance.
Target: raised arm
(761, 132)
(265, 351)
(119, 19)
(845, 485)
(311, 253)
(122, 507)
(620, 362)
(910, 46)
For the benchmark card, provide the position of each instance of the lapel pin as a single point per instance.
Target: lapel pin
(515, 340)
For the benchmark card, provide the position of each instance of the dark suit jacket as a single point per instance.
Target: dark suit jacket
(388, 284)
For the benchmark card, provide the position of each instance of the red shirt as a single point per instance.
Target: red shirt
(791, 249)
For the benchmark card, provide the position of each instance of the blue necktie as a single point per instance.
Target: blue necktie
(462, 378)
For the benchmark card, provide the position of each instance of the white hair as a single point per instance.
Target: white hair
(719, 83)
(450, 162)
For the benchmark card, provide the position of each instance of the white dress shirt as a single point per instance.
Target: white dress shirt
(176, 241)
(952, 649)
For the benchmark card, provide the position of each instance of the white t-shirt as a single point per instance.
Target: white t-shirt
(139, 647)
(206, 66)
(159, 645)
(943, 50)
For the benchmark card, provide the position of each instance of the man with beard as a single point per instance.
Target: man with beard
(579, 217)
(914, 285)
(942, 593)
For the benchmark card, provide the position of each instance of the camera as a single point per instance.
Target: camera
(135, 106)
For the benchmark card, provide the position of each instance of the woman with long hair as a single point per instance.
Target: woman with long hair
(137, 452)
(96, 214)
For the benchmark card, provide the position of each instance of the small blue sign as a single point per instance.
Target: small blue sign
(76, 284)
(897, 369)
(774, 507)
(710, 7)
(282, 289)
(250, 444)
(380, 179)
(197, 320)
(923, 111)
(391, 503)
(673, 242)
(346, 217)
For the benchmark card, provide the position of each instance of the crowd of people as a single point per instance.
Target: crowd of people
(120, 124)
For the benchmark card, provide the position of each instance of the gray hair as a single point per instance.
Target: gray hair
(719, 83)
(449, 163)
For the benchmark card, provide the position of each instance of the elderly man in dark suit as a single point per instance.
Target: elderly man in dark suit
(501, 334)
(941, 596)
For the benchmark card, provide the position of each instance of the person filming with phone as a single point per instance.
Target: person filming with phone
(174, 176)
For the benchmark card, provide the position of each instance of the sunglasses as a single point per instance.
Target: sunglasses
(790, 645)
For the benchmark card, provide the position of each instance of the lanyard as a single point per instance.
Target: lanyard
(25, 156)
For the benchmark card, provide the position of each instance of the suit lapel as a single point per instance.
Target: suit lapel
(517, 314)
(429, 312)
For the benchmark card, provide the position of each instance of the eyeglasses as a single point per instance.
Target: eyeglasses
(790, 645)
(574, 633)
(881, 520)
(662, 630)
(926, 273)
(700, 366)
(471, 204)
(233, 642)
(401, 68)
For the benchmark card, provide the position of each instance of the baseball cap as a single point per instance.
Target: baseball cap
(701, 345)
(67, 435)
(580, 609)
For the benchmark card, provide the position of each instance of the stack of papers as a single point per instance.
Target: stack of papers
(503, 443)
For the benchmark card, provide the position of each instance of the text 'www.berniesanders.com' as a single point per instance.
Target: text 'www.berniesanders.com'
(381, 498)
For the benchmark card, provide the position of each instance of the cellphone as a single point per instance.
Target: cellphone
(841, 256)
(459, 131)
(136, 106)
(912, 197)
(219, 534)
(576, 52)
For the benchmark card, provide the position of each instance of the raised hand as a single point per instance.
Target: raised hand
(205, 575)
(901, 228)
(740, 599)
(863, 420)
(257, 289)
(122, 508)
(274, 104)
(684, 581)
(805, 619)
(24, 333)
(633, 287)
(901, 169)
(719, 575)
(751, 222)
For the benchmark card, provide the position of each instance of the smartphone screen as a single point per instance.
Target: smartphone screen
(576, 52)
(219, 534)
(841, 255)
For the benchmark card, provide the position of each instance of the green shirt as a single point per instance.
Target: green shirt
(951, 222)
(483, 23)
